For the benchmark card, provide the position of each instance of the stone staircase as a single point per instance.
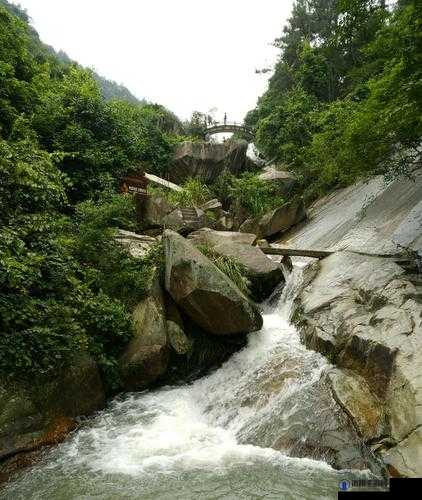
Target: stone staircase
(190, 216)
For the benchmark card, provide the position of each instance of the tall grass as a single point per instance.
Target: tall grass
(194, 194)
(233, 269)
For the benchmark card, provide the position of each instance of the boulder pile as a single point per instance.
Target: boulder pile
(195, 308)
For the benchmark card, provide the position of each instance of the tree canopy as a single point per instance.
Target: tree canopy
(63, 150)
(345, 98)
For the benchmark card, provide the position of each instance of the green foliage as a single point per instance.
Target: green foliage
(101, 140)
(109, 89)
(60, 105)
(66, 284)
(381, 133)
(230, 267)
(194, 193)
(109, 267)
(254, 194)
(29, 180)
(222, 187)
(345, 100)
(17, 69)
(196, 127)
(288, 129)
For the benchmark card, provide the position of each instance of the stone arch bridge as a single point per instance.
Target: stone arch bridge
(229, 127)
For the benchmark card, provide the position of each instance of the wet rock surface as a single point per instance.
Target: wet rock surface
(33, 416)
(364, 314)
(371, 217)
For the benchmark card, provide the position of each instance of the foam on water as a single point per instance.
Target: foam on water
(197, 435)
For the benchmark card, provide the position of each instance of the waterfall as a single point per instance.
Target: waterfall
(213, 438)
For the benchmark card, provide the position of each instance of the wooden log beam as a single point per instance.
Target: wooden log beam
(296, 252)
(162, 182)
(321, 254)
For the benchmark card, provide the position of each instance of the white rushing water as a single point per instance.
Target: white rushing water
(207, 440)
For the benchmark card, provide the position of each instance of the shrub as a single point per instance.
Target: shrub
(194, 193)
(67, 286)
(108, 267)
(29, 180)
(255, 195)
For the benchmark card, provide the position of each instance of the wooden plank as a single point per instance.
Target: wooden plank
(296, 252)
(162, 182)
(321, 254)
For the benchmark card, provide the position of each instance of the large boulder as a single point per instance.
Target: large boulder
(145, 358)
(214, 206)
(209, 237)
(283, 180)
(306, 422)
(263, 273)
(177, 337)
(207, 161)
(204, 293)
(138, 245)
(364, 314)
(156, 208)
(275, 221)
(37, 414)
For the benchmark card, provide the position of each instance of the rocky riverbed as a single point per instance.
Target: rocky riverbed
(357, 313)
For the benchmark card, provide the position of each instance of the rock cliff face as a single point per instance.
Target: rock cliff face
(371, 216)
(206, 161)
(364, 314)
(361, 308)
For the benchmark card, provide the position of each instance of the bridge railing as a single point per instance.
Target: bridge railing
(227, 124)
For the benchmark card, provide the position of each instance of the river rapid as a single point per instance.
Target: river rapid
(206, 440)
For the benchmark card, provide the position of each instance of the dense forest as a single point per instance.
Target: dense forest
(345, 99)
(63, 150)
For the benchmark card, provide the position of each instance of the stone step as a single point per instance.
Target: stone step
(190, 215)
(189, 212)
